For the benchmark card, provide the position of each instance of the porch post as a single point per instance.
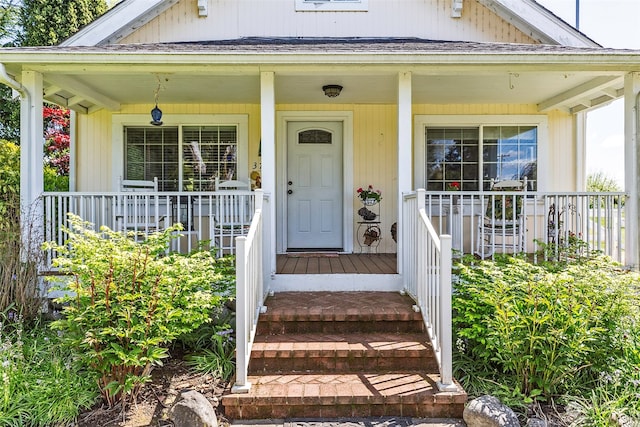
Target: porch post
(31, 166)
(632, 168)
(268, 152)
(405, 170)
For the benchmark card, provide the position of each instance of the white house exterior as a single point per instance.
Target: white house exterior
(252, 71)
(432, 95)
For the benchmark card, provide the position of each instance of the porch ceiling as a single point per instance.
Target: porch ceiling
(569, 91)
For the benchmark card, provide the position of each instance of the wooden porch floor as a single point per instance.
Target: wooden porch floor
(332, 263)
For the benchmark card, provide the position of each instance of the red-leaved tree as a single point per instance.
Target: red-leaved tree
(56, 135)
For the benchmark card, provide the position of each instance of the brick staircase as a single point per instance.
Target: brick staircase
(345, 354)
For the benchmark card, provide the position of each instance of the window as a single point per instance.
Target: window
(152, 152)
(182, 157)
(473, 156)
(332, 5)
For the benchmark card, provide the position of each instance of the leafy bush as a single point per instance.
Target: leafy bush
(532, 332)
(130, 300)
(19, 249)
(41, 381)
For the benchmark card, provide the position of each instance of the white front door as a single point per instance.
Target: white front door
(314, 185)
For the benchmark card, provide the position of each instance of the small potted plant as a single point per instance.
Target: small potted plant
(369, 196)
(454, 186)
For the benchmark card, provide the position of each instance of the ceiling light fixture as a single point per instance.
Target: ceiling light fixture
(332, 90)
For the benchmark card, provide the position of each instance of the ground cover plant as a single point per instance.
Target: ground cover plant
(557, 333)
(130, 300)
(42, 382)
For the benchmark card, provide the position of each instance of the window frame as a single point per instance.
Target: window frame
(121, 121)
(332, 5)
(422, 122)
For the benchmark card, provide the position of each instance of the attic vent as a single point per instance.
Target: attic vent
(456, 8)
(332, 5)
(203, 7)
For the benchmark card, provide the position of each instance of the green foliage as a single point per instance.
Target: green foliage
(219, 358)
(9, 116)
(212, 345)
(130, 301)
(48, 22)
(53, 181)
(600, 182)
(531, 332)
(9, 173)
(9, 22)
(41, 383)
(19, 257)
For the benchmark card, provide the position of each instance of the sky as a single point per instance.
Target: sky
(611, 23)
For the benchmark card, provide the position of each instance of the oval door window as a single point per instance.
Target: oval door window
(315, 136)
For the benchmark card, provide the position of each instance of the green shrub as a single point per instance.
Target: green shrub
(544, 330)
(19, 252)
(130, 300)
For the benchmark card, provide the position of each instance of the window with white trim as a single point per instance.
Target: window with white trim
(474, 155)
(183, 157)
(332, 5)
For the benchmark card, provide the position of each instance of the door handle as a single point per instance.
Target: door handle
(290, 182)
(290, 192)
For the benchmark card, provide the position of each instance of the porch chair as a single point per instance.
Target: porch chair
(501, 228)
(140, 213)
(233, 214)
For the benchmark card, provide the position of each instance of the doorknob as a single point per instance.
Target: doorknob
(290, 182)
(290, 192)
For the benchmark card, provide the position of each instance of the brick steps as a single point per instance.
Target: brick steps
(342, 353)
(345, 354)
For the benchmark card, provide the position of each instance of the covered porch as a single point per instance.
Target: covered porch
(388, 104)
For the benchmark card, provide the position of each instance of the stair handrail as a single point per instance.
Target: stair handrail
(250, 293)
(427, 270)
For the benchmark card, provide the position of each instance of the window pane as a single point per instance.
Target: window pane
(208, 151)
(150, 153)
(452, 156)
(510, 152)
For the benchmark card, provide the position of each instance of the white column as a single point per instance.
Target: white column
(31, 155)
(268, 150)
(405, 170)
(580, 132)
(632, 167)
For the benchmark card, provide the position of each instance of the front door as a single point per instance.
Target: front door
(314, 186)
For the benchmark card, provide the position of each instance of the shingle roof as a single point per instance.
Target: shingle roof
(325, 45)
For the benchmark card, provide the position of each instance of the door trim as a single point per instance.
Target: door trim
(282, 120)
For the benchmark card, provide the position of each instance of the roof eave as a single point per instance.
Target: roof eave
(538, 22)
(118, 22)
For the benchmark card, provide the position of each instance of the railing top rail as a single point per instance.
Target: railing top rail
(151, 193)
(527, 193)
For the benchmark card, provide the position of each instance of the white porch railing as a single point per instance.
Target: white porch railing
(568, 224)
(213, 218)
(427, 270)
(252, 261)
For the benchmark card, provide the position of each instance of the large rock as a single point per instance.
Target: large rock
(193, 410)
(488, 411)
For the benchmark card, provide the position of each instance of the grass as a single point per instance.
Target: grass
(41, 383)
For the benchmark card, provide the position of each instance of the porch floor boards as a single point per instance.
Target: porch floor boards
(342, 354)
(333, 263)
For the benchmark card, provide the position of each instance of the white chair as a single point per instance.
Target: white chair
(233, 214)
(140, 213)
(501, 228)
